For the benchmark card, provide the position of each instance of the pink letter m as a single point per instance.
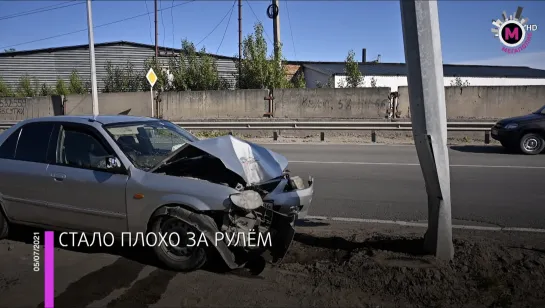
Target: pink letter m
(514, 34)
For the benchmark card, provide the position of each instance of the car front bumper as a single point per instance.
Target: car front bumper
(298, 199)
(505, 135)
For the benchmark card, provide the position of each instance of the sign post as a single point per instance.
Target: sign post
(152, 79)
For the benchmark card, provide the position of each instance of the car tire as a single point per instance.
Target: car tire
(4, 226)
(176, 258)
(532, 144)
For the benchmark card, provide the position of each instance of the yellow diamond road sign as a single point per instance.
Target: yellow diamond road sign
(151, 77)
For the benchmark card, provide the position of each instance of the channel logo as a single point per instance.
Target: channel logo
(514, 31)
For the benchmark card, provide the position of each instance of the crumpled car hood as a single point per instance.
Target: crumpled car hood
(253, 163)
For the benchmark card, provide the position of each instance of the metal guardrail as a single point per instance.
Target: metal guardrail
(325, 126)
(315, 125)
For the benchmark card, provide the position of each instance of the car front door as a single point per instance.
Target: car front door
(23, 173)
(88, 197)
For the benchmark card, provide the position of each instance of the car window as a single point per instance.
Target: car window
(164, 139)
(7, 149)
(33, 142)
(80, 149)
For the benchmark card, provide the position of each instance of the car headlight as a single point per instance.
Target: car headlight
(511, 126)
(248, 200)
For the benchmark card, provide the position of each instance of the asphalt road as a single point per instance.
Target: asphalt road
(488, 185)
(357, 181)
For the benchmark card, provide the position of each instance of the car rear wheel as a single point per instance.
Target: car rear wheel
(180, 257)
(532, 144)
(4, 227)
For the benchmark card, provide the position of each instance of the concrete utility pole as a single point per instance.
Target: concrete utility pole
(94, 90)
(276, 27)
(421, 36)
(156, 33)
(239, 40)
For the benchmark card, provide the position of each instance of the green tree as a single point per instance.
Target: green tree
(299, 81)
(76, 85)
(27, 87)
(10, 50)
(5, 89)
(257, 70)
(122, 78)
(46, 90)
(158, 67)
(352, 70)
(61, 88)
(457, 82)
(196, 70)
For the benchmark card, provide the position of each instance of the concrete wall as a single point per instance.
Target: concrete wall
(485, 103)
(192, 105)
(469, 103)
(359, 103)
(132, 103)
(14, 109)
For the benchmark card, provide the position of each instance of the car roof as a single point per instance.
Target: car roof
(101, 119)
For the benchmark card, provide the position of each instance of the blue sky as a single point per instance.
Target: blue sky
(310, 30)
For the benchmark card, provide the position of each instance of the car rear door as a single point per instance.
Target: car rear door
(23, 170)
(87, 196)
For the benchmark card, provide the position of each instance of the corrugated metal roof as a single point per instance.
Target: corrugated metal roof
(449, 70)
(49, 64)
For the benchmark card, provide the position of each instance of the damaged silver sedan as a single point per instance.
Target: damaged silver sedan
(124, 174)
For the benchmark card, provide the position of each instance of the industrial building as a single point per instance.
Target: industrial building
(394, 75)
(47, 65)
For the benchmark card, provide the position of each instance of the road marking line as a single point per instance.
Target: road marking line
(425, 225)
(407, 164)
(335, 143)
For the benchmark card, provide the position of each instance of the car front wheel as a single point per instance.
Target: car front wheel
(183, 255)
(532, 144)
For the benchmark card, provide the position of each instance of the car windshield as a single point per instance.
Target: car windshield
(540, 110)
(148, 143)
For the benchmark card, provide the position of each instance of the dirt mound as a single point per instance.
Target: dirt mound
(396, 270)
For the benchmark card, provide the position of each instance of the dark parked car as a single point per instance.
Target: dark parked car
(525, 133)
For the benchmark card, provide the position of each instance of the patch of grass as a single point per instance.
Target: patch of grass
(211, 134)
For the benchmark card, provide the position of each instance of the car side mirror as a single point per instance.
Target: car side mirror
(113, 163)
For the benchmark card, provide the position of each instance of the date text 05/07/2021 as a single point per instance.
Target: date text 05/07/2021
(36, 252)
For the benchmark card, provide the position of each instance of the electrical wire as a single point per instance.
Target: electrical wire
(221, 21)
(291, 32)
(226, 27)
(149, 18)
(41, 10)
(266, 34)
(94, 27)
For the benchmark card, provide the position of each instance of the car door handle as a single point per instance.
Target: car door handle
(58, 176)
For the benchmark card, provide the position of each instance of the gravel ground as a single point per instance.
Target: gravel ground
(330, 264)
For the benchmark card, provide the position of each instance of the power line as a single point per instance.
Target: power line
(94, 27)
(226, 27)
(291, 32)
(40, 10)
(266, 34)
(230, 10)
(149, 18)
